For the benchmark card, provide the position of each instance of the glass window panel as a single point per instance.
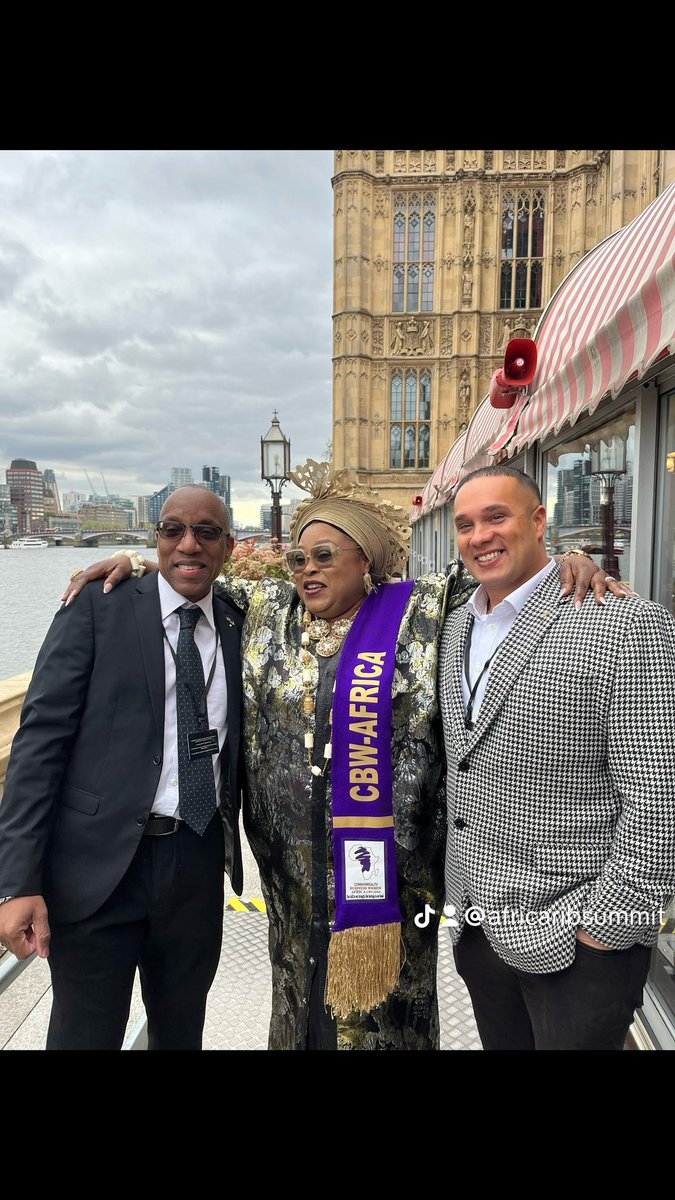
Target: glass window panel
(538, 234)
(423, 457)
(399, 280)
(666, 573)
(590, 511)
(409, 459)
(507, 226)
(395, 446)
(429, 235)
(536, 275)
(521, 285)
(396, 398)
(427, 289)
(411, 397)
(662, 972)
(414, 238)
(522, 245)
(399, 239)
(413, 289)
(425, 397)
(505, 287)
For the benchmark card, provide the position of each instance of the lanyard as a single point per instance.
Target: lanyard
(468, 716)
(200, 705)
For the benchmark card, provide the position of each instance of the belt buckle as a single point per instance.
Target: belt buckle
(169, 832)
(176, 823)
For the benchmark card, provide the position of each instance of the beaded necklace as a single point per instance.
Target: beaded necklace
(328, 641)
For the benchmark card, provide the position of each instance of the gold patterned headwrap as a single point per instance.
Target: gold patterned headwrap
(380, 528)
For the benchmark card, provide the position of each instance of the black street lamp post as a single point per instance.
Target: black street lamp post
(275, 458)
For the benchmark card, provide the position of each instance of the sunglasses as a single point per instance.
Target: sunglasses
(323, 554)
(173, 531)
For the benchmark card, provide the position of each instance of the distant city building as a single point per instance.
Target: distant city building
(211, 478)
(110, 516)
(52, 501)
(66, 522)
(157, 502)
(286, 513)
(142, 517)
(8, 521)
(221, 485)
(180, 477)
(123, 503)
(27, 494)
(623, 499)
(574, 501)
(71, 502)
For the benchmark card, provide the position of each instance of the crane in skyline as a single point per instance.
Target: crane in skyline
(94, 493)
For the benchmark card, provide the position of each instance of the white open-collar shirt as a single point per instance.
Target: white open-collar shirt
(490, 629)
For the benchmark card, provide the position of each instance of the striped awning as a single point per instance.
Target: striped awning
(484, 427)
(443, 478)
(612, 317)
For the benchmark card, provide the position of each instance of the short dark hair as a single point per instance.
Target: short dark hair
(199, 487)
(507, 472)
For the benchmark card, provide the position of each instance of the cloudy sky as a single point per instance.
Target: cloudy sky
(156, 306)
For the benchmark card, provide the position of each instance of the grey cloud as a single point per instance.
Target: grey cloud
(158, 305)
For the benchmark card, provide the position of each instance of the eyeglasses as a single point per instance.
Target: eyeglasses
(323, 554)
(173, 531)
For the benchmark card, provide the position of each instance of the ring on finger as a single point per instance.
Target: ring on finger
(74, 574)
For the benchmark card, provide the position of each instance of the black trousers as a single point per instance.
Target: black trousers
(166, 917)
(588, 1006)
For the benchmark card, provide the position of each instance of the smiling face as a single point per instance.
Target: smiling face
(500, 533)
(336, 590)
(189, 567)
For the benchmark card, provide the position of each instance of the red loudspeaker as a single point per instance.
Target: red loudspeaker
(520, 364)
(418, 501)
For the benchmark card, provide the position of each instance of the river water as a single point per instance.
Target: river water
(31, 582)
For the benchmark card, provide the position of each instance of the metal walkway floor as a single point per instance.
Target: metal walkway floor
(238, 1011)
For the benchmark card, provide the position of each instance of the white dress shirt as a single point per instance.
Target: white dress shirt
(490, 629)
(208, 644)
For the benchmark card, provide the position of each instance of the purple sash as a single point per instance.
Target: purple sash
(366, 891)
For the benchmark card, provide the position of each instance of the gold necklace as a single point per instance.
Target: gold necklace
(329, 637)
(328, 641)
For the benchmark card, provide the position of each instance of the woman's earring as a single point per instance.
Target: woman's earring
(368, 584)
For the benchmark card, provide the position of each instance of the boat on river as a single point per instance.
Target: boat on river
(29, 543)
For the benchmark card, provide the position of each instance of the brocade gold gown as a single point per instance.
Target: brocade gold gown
(287, 815)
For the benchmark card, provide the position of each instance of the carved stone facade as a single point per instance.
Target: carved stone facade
(455, 332)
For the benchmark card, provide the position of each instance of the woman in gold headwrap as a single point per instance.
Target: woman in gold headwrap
(345, 543)
(289, 810)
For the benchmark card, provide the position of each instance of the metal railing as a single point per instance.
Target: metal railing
(10, 969)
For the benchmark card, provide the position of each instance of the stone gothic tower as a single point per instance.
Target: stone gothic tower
(440, 257)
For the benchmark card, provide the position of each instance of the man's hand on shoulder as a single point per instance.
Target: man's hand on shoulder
(24, 927)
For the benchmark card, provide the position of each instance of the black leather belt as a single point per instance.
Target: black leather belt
(159, 826)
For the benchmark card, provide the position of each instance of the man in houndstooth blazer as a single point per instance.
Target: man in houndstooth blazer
(559, 728)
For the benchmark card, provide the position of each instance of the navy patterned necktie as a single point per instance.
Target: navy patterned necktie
(196, 785)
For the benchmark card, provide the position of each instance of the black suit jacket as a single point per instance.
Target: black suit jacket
(86, 759)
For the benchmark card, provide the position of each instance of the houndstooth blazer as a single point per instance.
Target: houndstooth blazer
(561, 800)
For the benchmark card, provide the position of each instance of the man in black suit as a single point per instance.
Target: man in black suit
(122, 794)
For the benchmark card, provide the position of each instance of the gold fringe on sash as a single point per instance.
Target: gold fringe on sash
(364, 964)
